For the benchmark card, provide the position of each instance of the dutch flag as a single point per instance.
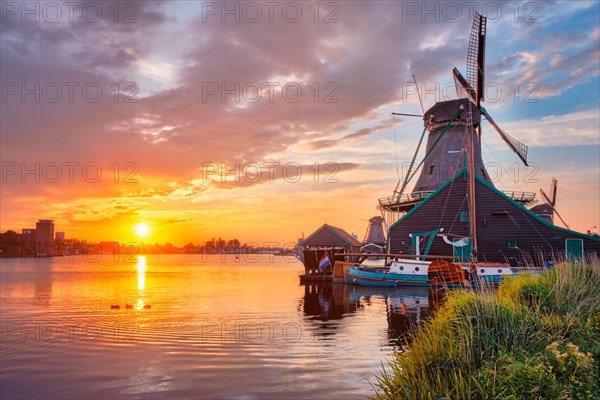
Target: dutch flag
(324, 262)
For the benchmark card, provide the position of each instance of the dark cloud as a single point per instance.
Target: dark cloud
(361, 133)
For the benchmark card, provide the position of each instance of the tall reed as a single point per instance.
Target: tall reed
(536, 337)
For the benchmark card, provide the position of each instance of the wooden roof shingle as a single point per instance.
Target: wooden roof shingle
(328, 235)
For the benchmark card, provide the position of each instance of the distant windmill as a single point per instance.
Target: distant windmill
(552, 201)
(375, 233)
(375, 239)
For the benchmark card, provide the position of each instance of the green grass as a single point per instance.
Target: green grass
(536, 337)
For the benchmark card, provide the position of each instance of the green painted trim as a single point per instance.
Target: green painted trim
(535, 216)
(448, 182)
(462, 254)
(464, 216)
(515, 203)
(414, 237)
(574, 251)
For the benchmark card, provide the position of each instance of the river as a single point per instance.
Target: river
(193, 326)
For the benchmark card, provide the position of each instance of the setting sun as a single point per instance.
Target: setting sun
(142, 229)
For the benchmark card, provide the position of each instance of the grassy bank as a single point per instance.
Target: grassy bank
(536, 337)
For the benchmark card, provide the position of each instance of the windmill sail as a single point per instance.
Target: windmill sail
(476, 58)
(519, 148)
(463, 87)
(551, 204)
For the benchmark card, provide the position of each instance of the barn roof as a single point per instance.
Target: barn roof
(492, 188)
(328, 235)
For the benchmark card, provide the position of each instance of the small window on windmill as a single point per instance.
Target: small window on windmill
(431, 169)
(464, 216)
(512, 244)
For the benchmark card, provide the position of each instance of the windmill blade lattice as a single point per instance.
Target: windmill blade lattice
(463, 89)
(519, 148)
(550, 203)
(476, 57)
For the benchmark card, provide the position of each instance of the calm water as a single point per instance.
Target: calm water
(236, 329)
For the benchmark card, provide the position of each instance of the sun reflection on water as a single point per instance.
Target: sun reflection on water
(141, 275)
(141, 271)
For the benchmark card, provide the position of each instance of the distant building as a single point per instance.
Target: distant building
(44, 237)
(328, 240)
(108, 247)
(60, 236)
(375, 241)
(28, 236)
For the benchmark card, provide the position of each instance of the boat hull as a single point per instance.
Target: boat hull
(369, 277)
(384, 278)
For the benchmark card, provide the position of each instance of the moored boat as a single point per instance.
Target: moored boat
(406, 272)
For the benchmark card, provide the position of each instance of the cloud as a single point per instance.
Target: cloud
(559, 59)
(349, 73)
(573, 129)
(354, 137)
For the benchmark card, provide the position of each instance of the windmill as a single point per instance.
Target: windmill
(454, 192)
(449, 126)
(552, 200)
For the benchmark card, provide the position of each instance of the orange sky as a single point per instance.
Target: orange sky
(168, 116)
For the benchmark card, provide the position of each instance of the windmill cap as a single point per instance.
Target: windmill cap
(443, 111)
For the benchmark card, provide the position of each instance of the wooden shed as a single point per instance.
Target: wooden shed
(327, 239)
